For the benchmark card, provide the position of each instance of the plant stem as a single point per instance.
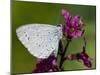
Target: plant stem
(63, 54)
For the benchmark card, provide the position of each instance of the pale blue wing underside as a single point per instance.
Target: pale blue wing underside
(41, 40)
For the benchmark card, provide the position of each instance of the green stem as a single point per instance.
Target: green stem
(63, 54)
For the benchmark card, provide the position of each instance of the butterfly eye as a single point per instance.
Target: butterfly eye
(52, 47)
(59, 25)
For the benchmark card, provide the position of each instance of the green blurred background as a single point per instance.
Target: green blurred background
(50, 13)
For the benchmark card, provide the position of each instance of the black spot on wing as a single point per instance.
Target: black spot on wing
(25, 35)
(52, 48)
(28, 38)
(39, 45)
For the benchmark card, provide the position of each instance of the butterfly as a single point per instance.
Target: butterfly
(41, 40)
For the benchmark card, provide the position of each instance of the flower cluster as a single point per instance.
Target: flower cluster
(47, 65)
(73, 27)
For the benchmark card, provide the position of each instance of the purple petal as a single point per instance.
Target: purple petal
(47, 65)
(50, 70)
(64, 29)
(85, 58)
(54, 62)
(87, 63)
(67, 16)
(84, 54)
(75, 20)
(74, 34)
(79, 33)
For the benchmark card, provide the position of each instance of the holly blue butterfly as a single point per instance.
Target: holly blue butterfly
(41, 40)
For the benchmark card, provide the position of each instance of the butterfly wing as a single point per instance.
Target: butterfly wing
(41, 40)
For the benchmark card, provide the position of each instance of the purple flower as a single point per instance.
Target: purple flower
(85, 58)
(81, 56)
(73, 27)
(47, 65)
